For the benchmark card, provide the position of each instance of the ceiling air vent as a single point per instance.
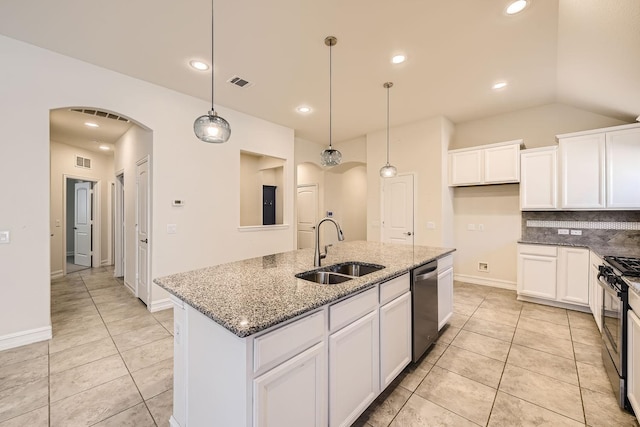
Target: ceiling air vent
(99, 113)
(240, 82)
(83, 162)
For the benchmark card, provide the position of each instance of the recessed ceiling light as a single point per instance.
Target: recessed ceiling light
(91, 124)
(303, 109)
(199, 65)
(499, 85)
(516, 7)
(103, 147)
(398, 59)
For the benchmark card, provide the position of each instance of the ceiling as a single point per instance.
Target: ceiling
(579, 52)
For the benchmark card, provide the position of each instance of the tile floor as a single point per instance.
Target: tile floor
(500, 362)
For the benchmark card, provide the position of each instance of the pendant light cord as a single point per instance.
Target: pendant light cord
(212, 48)
(330, 97)
(387, 125)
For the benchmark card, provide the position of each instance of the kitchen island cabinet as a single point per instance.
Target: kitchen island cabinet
(255, 346)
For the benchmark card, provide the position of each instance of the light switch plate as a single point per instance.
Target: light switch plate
(5, 237)
(576, 232)
(563, 231)
(172, 228)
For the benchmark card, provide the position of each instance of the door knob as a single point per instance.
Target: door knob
(144, 241)
(408, 233)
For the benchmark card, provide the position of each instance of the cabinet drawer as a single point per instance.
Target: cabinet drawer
(277, 346)
(345, 312)
(394, 288)
(541, 250)
(634, 300)
(444, 263)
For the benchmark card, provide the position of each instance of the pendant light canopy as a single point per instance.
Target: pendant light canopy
(330, 156)
(388, 171)
(211, 127)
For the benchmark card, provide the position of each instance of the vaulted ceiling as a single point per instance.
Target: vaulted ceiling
(584, 53)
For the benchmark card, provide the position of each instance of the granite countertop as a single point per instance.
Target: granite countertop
(249, 296)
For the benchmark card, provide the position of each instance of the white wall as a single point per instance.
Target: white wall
(497, 206)
(206, 176)
(63, 163)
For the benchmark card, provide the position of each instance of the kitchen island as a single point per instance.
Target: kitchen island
(251, 339)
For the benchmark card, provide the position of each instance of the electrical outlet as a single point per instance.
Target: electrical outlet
(471, 227)
(5, 237)
(172, 228)
(480, 227)
(483, 266)
(563, 231)
(576, 232)
(431, 225)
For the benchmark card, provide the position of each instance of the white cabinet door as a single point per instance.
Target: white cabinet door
(395, 338)
(623, 170)
(573, 275)
(538, 179)
(537, 276)
(595, 301)
(633, 361)
(354, 367)
(294, 393)
(445, 297)
(502, 164)
(465, 168)
(582, 172)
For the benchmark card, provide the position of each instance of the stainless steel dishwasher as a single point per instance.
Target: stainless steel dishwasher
(424, 307)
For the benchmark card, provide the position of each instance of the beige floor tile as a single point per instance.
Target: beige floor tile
(37, 418)
(141, 336)
(458, 394)
(23, 353)
(545, 343)
(168, 325)
(418, 412)
(472, 365)
(601, 410)
(464, 309)
(546, 313)
(413, 375)
(100, 283)
(588, 353)
(22, 399)
(594, 378)
(510, 411)
(79, 295)
(148, 354)
(434, 353)
(586, 336)
(544, 327)
(385, 407)
(122, 311)
(491, 315)
(512, 307)
(20, 373)
(163, 315)
(84, 336)
(448, 334)
(578, 319)
(467, 297)
(131, 324)
(80, 355)
(543, 363)
(490, 329)
(154, 379)
(483, 345)
(551, 394)
(161, 408)
(76, 316)
(84, 377)
(75, 324)
(458, 320)
(138, 416)
(96, 404)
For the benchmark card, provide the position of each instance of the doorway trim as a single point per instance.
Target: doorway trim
(119, 235)
(146, 159)
(95, 225)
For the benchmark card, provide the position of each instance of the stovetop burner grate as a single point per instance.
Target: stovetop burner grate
(626, 265)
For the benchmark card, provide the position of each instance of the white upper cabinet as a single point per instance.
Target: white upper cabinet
(539, 179)
(487, 164)
(623, 169)
(599, 168)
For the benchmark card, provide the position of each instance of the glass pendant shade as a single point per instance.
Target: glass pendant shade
(330, 157)
(212, 128)
(388, 171)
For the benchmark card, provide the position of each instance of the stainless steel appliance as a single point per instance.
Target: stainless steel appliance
(615, 303)
(424, 307)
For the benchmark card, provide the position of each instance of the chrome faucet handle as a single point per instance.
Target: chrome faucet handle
(326, 248)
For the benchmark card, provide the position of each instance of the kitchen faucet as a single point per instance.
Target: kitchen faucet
(318, 255)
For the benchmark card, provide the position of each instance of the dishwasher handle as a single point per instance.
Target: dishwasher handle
(425, 276)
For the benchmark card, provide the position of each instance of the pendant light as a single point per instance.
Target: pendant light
(330, 156)
(388, 171)
(211, 127)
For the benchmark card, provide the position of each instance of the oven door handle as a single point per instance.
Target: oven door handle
(608, 288)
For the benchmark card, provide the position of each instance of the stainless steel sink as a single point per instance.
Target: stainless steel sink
(339, 273)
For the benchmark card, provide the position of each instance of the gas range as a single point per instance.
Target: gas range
(624, 266)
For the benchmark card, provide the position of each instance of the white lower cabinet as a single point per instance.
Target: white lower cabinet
(353, 369)
(633, 359)
(595, 291)
(573, 275)
(445, 290)
(395, 338)
(294, 393)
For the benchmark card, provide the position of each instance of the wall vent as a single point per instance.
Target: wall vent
(99, 113)
(83, 162)
(240, 82)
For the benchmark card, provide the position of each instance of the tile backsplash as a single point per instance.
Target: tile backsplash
(598, 227)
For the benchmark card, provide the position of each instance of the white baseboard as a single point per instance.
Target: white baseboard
(70, 253)
(105, 263)
(57, 274)
(475, 280)
(161, 304)
(18, 339)
(131, 288)
(173, 422)
(558, 304)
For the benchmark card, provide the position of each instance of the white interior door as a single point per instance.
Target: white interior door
(307, 203)
(82, 224)
(119, 234)
(142, 217)
(397, 209)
